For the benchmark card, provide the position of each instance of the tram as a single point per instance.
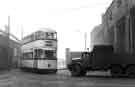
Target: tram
(39, 51)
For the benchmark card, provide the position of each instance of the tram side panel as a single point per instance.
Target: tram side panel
(47, 64)
(38, 63)
(27, 63)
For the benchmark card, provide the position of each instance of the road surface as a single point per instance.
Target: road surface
(17, 78)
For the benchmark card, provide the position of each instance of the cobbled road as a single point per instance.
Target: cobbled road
(18, 78)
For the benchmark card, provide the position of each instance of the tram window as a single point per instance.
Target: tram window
(54, 54)
(28, 39)
(41, 36)
(36, 53)
(32, 37)
(28, 55)
(51, 35)
(48, 36)
(36, 35)
(55, 35)
(49, 53)
(39, 53)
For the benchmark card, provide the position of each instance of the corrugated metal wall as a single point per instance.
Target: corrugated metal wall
(125, 33)
(118, 19)
(120, 36)
(132, 29)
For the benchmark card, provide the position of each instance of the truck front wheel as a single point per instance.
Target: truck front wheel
(130, 71)
(77, 70)
(83, 73)
(116, 71)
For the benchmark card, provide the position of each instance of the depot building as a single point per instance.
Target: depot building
(10, 52)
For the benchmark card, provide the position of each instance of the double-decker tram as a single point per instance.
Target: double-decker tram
(39, 51)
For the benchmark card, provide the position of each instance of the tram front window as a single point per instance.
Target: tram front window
(49, 54)
(51, 35)
(39, 53)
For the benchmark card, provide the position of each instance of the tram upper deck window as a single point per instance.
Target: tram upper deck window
(28, 39)
(39, 35)
(50, 35)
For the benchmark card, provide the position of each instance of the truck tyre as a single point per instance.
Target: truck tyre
(83, 73)
(130, 71)
(116, 71)
(76, 70)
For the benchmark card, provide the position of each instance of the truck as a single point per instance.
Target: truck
(113, 44)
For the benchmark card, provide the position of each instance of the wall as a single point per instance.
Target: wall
(101, 36)
(8, 57)
(122, 34)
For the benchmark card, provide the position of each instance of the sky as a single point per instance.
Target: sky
(70, 18)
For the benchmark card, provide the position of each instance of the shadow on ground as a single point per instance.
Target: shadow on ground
(108, 77)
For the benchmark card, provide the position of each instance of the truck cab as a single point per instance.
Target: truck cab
(79, 65)
(98, 59)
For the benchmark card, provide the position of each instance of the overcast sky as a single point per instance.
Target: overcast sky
(70, 18)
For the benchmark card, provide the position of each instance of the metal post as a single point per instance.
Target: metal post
(85, 37)
(8, 36)
(21, 32)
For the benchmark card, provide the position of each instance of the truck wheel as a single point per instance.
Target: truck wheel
(83, 73)
(116, 71)
(76, 70)
(130, 71)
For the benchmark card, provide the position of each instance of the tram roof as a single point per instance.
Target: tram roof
(43, 30)
(46, 30)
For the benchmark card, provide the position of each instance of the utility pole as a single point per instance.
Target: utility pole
(21, 32)
(85, 38)
(8, 36)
